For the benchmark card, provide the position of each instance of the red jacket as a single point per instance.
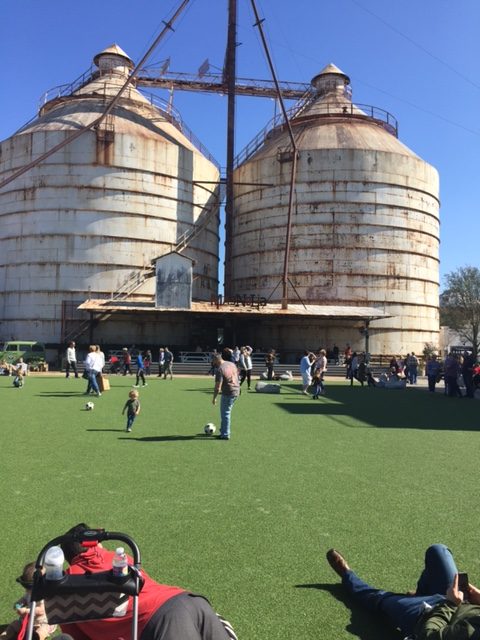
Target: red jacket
(151, 598)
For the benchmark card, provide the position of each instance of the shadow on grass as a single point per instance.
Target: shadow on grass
(112, 430)
(363, 625)
(61, 394)
(171, 438)
(390, 409)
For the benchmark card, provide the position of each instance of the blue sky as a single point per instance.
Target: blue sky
(417, 59)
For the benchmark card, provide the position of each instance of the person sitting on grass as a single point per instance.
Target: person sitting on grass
(164, 612)
(440, 608)
(20, 373)
(41, 629)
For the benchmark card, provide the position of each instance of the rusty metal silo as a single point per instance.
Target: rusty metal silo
(365, 227)
(88, 221)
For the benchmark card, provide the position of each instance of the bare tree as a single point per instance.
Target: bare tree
(460, 304)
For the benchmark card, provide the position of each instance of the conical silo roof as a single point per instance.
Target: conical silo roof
(134, 111)
(330, 120)
(113, 50)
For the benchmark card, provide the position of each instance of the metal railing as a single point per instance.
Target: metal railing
(167, 110)
(172, 115)
(380, 116)
(63, 90)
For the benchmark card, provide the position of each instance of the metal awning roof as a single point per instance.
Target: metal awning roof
(240, 308)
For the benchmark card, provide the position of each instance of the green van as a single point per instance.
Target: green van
(29, 350)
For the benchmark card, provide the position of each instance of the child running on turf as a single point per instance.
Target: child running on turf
(317, 384)
(132, 407)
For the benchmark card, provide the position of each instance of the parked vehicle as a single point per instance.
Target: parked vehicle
(30, 350)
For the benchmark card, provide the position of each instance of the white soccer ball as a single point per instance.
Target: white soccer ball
(209, 429)
(89, 406)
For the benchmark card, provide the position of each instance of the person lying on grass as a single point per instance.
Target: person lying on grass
(164, 612)
(443, 607)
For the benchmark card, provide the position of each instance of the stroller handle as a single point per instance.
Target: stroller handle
(91, 537)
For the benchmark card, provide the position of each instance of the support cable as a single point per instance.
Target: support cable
(108, 109)
(285, 278)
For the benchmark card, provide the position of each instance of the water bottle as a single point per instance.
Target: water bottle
(120, 563)
(53, 563)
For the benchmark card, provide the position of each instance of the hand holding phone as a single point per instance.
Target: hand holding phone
(463, 585)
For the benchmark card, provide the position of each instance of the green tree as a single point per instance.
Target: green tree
(460, 304)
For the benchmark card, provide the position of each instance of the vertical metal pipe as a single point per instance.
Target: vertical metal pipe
(286, 257)
(229, 79)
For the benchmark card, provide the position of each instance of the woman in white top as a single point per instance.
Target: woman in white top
(246, 366)
(93, 366)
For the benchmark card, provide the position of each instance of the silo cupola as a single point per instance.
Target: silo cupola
(331, 80)
(114, 60)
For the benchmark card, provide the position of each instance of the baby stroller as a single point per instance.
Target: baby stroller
(89, 596)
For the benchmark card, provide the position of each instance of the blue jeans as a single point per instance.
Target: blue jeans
(130, 420)
(403, 611)
(226, 404)
(92, 381)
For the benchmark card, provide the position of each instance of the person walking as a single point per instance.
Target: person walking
(147, 361)
(433, 370)
(412, 368)
(168, 367)
(452, 369)
(71, 360)
(467, 373)
(269, 362)
(306, 371)
(132, 407)
(246, 366)
(140, 371)
(161, 362)
(127, 361)
(93, 366)
(228, 386)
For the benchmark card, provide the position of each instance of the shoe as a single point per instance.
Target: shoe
(136, 386)
(128, 430)
(98, 394)
(224, 437)
(337, 562)
(145, 385)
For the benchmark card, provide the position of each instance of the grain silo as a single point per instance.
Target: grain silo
(89, 220)
(365, 223)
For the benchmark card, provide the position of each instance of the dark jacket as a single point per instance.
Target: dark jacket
(447, 621)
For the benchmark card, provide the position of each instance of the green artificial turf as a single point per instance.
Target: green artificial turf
(378, 474)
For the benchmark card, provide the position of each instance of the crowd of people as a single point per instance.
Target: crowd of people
(455, 370)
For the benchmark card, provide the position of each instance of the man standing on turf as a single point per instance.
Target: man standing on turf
(227, 384)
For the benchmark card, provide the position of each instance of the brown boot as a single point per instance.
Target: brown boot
(337, 562)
